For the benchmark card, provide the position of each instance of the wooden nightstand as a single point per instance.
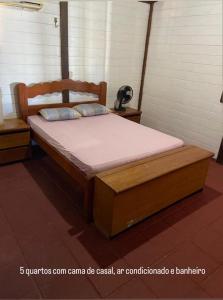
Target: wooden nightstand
(14, 141)
(130, 114)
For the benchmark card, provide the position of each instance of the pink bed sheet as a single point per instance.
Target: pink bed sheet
(98, 143)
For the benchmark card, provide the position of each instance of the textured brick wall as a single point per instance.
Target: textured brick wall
(29, 50)
(184, 76)
(106, 43)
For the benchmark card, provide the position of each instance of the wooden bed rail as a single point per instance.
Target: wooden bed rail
(26, 92)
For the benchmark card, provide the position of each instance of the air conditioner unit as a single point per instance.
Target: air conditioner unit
(32, 5)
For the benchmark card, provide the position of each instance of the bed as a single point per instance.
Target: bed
(98, 143)
(97, 151)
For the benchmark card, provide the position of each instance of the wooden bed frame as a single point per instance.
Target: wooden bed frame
(88, 185)
(26, 92)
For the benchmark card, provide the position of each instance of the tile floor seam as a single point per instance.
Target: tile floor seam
(168, 253)
(43, 211)
(122, 284)
(207, 280)
(153, 291)
(139, 277)
(206, 253)
(103, 296)
(188, 238)
(60, 231)
(21, 250)
(214, 222)
(57, 185)
(203, 291)
(173, 250)
(79, 265)
(77, 261)
(206, 292)
(67, 196)
(149, 288)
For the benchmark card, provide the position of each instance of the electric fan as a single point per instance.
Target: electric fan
(124, 95)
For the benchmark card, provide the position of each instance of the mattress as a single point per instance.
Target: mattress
(99, 143)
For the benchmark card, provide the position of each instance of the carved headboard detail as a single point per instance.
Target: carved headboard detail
(26, 92)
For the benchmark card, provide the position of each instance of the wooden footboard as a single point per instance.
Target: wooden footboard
(125, 195)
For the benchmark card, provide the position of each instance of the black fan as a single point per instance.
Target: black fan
(124, 95)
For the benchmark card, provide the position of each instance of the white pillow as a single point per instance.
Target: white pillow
(91, 109)
(59, 114)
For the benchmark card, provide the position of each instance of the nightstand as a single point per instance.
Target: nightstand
(14, 141)
(130, 114)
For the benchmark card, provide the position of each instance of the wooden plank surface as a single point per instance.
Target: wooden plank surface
(128, 112)
(14, 154)
(13, 125)
(115, 212)
(145, 58)
(133, 118)
(135, 204)
(130, 176)
(141, 161)
(12, 140)
(25, 92)
(64, 46)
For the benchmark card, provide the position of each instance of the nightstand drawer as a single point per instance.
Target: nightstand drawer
(14, 140)
(14, 154)
(133, 118)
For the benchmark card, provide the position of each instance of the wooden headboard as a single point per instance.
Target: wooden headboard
(26, 92)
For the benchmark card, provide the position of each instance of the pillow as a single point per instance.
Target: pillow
(91, 109)
(59, 114)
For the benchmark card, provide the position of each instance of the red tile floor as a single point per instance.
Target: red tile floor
(40, 226)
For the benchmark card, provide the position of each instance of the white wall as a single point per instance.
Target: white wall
(128, 24)
(183, 82)
(29, 49)
(107, 43)
(106, 40)
(87, 41)
(184, 76)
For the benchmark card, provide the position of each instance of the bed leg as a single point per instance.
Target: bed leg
(88, 201)
(30, 152)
